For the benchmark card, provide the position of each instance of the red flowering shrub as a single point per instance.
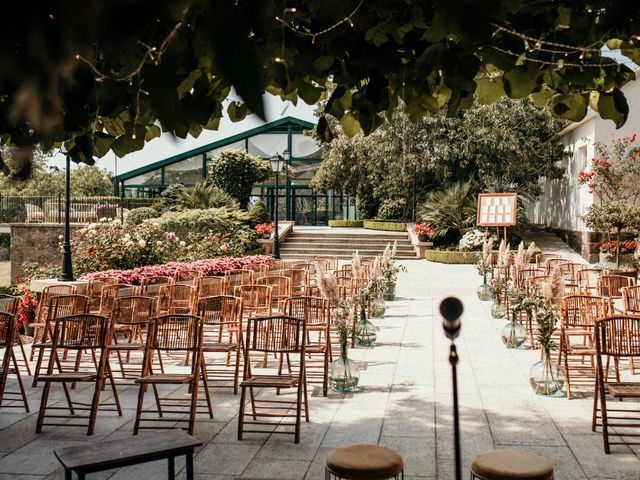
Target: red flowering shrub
(628, 246)
(423, 229)
(214, 266)
(263, 228)
(26, 307)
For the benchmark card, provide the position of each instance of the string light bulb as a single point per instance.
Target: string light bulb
(278, 59)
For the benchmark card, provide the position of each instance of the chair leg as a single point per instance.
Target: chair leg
(205, 384)
(24, 354)
(95, 404)
(194, 404)
(20, 384)
(243, 399)
(136, 425)
(43, 406)
(112, 382)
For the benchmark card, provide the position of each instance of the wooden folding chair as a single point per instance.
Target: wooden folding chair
(8, 332)
(551, 263)
(173, 334)
(94, 291)
(59, 306)
(222, 334)
(238, 278)
(9, 304)
(178, 298)
(282, 336)
(576, 347)
(43, 307)
(587, 280)
(618, 337)
(256, 299)
(80, 333)
(211, 286)
(131, 315)
(315, 313)
(151, 286)
(610, 285)
(188, 277)
(330, 262)
(280, 289)
(299, 279)
(542, 258)
(268, 267)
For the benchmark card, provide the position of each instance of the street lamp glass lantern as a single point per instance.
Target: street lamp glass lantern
(286, 155)
(277, 163)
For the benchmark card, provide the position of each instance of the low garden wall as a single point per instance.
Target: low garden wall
(35, 242)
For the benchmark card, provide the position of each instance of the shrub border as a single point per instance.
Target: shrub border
(386, 226)
(346, 223)
(453, 257)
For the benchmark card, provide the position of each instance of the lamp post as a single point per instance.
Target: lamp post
(277, 164)
(66, 273)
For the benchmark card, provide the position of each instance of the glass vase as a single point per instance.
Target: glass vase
(365, 331)
(513, 334)
(497, 310)
(389, 292)
(344, 373)
(545, 376)
(484, 292)
(377, 308)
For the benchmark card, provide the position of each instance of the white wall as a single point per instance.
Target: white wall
(563, 201)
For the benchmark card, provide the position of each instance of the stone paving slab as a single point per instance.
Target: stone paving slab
(404, 402)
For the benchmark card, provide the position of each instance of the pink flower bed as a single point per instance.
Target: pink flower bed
(214, 266)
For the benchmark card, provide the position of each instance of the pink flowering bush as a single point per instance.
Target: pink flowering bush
(214, 266)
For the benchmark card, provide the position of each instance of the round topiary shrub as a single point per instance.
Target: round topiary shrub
(139, 215)
(259, 213)
(392, 209)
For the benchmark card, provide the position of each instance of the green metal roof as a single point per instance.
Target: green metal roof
(280, 125)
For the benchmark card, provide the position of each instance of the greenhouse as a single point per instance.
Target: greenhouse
(297, 201)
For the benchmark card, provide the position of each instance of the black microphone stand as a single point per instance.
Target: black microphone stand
(451, 310)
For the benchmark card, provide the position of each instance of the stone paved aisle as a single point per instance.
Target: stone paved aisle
(404, 402)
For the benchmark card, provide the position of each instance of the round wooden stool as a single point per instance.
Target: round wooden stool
(510, 464)
(363, 462)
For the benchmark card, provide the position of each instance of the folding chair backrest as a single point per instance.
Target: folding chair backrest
(9, 304)
(551, 263)
(179, 297)
(543, 257)
(280, 285)
(618, 336)
(156, 280)
(187, 276)
(7, 332)
(610, 285)
(84, 331)
(63, 305)
(299, 277)
(134, 310)
(220, 310)
(45, 297)
(238, 278)
(630, 300)
(330, 263)
(175, 332)
(255, 298)
(583, 310)
(268, 267)
(211, 286)
(313, 310)
(277, 334)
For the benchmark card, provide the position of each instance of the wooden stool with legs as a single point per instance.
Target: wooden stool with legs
(8, 332)
(280, 335)
(510, 464)
(173, 334)
(83, 332)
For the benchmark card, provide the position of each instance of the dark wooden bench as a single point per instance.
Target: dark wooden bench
(93, 457)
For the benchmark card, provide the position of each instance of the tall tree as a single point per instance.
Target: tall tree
(111, 75)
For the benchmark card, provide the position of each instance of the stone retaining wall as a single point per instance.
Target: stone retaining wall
(35, 242)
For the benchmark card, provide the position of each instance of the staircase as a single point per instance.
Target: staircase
(308, 242)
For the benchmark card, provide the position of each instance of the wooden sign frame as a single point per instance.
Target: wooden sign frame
(496, 209)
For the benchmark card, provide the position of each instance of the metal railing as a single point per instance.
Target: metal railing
(50, 209)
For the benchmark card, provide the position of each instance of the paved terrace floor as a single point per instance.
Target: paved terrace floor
(404, 403)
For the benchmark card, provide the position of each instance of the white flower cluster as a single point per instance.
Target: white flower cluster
(471, 240)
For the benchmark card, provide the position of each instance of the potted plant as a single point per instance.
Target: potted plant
(614, 180)
(264, 230)
(545, 377)
(485, 259)
(422, 231)
(497, 286)
(513, 334)
(389, 271)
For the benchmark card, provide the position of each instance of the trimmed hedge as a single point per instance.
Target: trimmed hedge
(455, 257)
(345, 223)
(386, 226)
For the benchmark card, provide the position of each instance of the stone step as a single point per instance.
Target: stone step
(348, 241)
(303, 256)
(388, 237)
(330, 251)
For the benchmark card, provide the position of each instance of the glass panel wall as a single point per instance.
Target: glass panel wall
(268, 144)
(187, 171)
(303, 146)
(239, 145)
(304, 171)
(154, 177)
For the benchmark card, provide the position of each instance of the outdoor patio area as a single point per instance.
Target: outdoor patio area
(404, 402)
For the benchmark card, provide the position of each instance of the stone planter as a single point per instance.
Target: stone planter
(625, 259)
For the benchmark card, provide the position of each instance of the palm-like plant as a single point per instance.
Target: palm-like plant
(450, 210)
(204, 195)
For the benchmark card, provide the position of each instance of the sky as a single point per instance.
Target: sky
(166, 145)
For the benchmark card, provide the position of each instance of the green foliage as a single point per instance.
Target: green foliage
(139, 215)
(171, 196)
(46, 181)
(392, 209)
(451, 257)
(450, 212)
(173, 70)
(205, 195)
(235, 171)
(216, 220)
(346, 223)
(5, 240)
(259, 213)
(36, 271)
(386, 226)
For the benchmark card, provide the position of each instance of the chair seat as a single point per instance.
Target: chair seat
(168, 378)
(581, 350)
(364, 461)
(126, 346)
(70, 377)
(511, 464)
(270, 381)
(623, 389)
(217, 347)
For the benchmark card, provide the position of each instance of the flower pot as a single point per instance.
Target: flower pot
(423, 238)
(377, 308)
(389, 292)
(498, 311)
(513, 334)
(624, 258)
(365, 334)
(484, 292)
(266, 236)
(546, 377)
(344, 373)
